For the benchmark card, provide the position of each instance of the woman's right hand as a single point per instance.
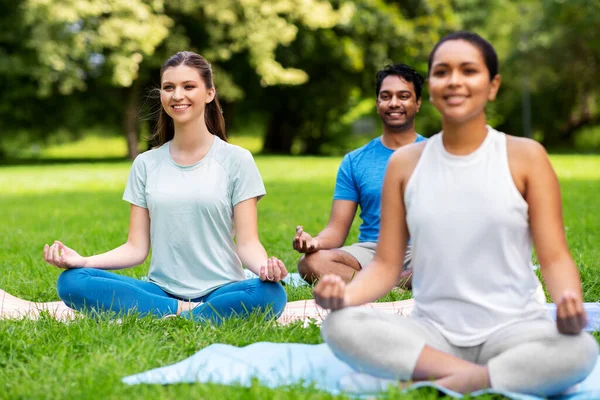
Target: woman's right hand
(570, 314)
(330, 293)
(62, 256)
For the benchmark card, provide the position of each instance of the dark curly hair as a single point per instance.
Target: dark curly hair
(406, 72)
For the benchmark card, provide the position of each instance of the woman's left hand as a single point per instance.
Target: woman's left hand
(274, 271)
(570, 315)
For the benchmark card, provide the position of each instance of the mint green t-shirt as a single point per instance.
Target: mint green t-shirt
(191, 215)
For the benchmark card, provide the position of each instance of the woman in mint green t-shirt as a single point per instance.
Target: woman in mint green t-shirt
(190, 196)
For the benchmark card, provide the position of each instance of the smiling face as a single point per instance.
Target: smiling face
(397, 103)
(459, 81)
(183, 94)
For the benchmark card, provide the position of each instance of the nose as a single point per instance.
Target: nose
(394, 102)
(177, 93)
(455, 78)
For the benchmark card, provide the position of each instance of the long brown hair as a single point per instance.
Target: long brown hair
(213, 116)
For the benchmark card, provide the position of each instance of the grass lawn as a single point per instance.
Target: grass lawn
(81, 204)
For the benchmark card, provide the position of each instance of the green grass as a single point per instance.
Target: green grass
(98, 146)
(92, 146)
(81, 204)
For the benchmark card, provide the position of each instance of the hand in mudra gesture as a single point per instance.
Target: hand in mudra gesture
(303, 242)
(570, 315)
(330, 292)
(62, 256)
(274, 271)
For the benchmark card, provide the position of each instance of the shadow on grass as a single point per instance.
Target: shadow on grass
(10, 162)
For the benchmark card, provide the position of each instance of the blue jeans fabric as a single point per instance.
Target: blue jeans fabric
(88, 288)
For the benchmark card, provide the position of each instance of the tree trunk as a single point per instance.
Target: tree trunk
(228, 114)
(566, 136)
(280, 134)
(131, 122)
(313, 144)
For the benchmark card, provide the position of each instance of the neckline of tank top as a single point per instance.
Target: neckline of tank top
(196, 164)
(467, 158)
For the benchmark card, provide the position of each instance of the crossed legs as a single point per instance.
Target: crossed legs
(338, 262)
(345, 262)
(86, 288)
(526, 357)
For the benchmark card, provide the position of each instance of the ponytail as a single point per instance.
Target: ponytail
(164, 129)
(213, 117)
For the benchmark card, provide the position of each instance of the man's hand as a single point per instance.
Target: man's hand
(304, 243)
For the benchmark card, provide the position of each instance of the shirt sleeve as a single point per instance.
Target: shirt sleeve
(247, 182)
(135, 190)
(345, 187)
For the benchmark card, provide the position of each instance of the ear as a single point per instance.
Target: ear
(211, 93)
(419, 103)
(494, 86)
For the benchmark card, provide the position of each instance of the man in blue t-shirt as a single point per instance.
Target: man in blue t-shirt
(359, 183)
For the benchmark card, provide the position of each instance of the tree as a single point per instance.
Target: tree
(76, 42)
(24, 114)
(341, 63)
(565, 46)
(550, 55)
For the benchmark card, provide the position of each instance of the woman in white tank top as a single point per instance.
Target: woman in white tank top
(473, 200)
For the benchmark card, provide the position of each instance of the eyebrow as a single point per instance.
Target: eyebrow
(397, 91)
(387, 91)
(184, 82)
(461, 64)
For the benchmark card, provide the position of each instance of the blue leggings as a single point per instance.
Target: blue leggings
(88, 288)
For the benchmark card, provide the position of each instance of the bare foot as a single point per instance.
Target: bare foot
(12, 307)
(467, 380)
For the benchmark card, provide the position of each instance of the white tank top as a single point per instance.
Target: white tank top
(471, 242)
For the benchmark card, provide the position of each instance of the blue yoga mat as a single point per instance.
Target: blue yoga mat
(592, 311)
(293, 279)
(282, 364)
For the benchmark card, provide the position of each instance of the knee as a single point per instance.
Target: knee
(341, 326)
(572, 360)
(309, 266)
(583, 353)
(275, 295)
(69, 283)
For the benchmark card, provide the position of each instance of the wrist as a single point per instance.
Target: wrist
(317, 244)
(348, 301)
(85, 262)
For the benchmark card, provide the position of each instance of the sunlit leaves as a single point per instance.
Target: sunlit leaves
(73, 38)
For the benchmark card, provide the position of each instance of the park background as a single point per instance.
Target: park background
(296, 81)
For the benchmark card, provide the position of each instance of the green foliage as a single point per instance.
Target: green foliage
(550, 51)
(71, 46)
(306, 67)
(343, 82)
(78, 38)
(259, 27)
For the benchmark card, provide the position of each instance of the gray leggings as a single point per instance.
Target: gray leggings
(527, 357)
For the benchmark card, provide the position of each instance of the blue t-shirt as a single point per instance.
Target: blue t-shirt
(360, 179)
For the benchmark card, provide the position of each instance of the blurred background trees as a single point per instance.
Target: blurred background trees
(298, 73)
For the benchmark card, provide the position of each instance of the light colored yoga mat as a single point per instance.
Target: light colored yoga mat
(282, 364)
(308, 311)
